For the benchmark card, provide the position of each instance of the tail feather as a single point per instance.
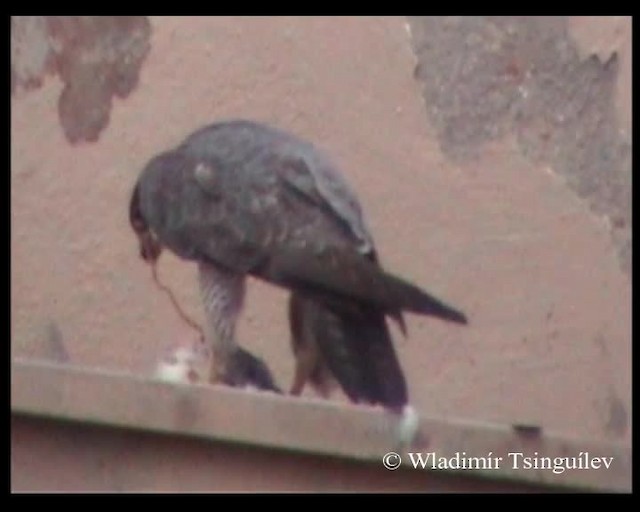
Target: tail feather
(343, 273)
(353, 342)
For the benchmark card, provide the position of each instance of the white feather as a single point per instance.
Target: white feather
(408, 425)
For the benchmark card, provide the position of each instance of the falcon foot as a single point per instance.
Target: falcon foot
(246, 370)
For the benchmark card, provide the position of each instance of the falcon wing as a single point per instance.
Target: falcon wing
(207, 209)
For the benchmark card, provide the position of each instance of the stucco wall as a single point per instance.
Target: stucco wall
(434, 132)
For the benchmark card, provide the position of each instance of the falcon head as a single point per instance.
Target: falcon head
(150, 246)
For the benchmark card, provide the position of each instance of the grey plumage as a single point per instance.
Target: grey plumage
(248, 199)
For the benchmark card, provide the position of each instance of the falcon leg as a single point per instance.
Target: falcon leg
(302, 343)
(222, 295)
(309, 368)
(299, 379)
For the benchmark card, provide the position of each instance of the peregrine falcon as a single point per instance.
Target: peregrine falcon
(239, 199)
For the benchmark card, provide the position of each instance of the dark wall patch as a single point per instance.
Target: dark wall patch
(617, 420)
(485, 76)
(96, 57)
(55, 346)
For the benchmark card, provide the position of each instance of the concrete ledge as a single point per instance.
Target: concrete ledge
(358, 433)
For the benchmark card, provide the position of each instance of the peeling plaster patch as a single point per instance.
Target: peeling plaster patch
(596, 35)
(606, 36)
(31, 55)
(96, 57)
(483, 77)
